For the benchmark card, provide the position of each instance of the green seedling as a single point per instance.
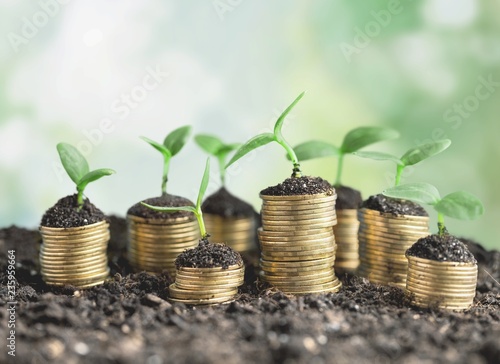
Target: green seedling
(172, 144)
(354, 140)
(411, 157)
(459, 205)
(276, 136)
(196, 210)
(78, 169)
(217, 148)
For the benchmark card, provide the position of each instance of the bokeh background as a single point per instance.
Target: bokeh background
(98, 74)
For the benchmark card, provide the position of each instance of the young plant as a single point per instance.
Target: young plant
(353, 141)
(459, 205)
(276, 136)
(196, 210)
(411, 157)
(78, 169)
(217, 148)
(172, 144)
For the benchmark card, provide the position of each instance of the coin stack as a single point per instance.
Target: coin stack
(447, 285)
(206, 286)
(236, 232)
(346, 236)
(75, 256)
(155, 243)
(297, 243)
(383, 241)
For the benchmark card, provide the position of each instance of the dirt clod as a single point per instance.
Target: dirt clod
(393, 206)
(446, 248)
(300, 186)
(208, 255)
(165, 200)
(347, 198)
(225, 204)
(66, 214)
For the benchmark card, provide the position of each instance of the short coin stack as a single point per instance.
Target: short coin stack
(206, 286)
(75, 256)
(447, 285)
(236, 232)
(383, 241)
(297, 243)
(346, 236)
(155, 243)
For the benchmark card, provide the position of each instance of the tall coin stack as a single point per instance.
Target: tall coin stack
(206, 286)
(75, 256)
(447, 285)
(155, 243)
(383, 241)
(346, 236)
(297, 243)
(236, 232)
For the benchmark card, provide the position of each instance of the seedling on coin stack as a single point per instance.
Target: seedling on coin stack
(441, 270)
(388, 227)
(348, 199)
(296, 238)
(210, 273)
(156, 238)
(228, 218)
(75, 233)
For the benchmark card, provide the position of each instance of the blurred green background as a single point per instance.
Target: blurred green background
(98, 74)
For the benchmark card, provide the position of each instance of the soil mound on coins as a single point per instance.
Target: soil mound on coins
(393, 206)
(347, 198)
(223, 203)
(66, 214)
(446, 248)
(165, 200)
(300, 186)
(208, 255)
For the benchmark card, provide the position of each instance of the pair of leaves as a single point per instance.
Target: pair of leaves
(77, 166)
(459, 205)
(214, 146)
(173, 142)
(353, 141)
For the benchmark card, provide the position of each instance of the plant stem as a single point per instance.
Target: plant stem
(222, 170)
(166, 166)
(79, 199)
(296, 173)
(399, 173)
(201, 223)
(339, 169)
(441, 228)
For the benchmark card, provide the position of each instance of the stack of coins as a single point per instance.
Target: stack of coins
(206, 286)
(236, 232)
(155, 243)
(346, 236)
(297, 243)
(383, 241)
(447, 285)
(75, 256)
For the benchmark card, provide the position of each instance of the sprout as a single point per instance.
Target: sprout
(78, 169)
(172, 145)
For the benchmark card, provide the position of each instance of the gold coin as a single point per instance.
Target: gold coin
(305, 197)
(299, 264)
(304, 232)
(434, 264)
(313, 210)
(296, 227)
(176, 292)
(376, 213)
(74, 230)
(210, 301)
(74, 264)
(298, 208)
(76, 281)
(388, 237)
(444, 269)
(334, 286)
(153, 221)
(328, 248)
(61, 258)
(212, 269)
(306, 249)
(231, 274)
(298, 276)
(305, 243)
(298, 258)
(294, 282)
(190, 286)
(304, 239)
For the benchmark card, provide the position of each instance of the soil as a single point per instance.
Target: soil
(300, 186)
(208, 255)
(225, 204)
(393, 206)
(446, 248)
(165, 200)
(347, 198)
(130, 320)
(66, 214)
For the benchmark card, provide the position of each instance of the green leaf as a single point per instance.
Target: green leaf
(361, 137)
(422, 193)
(93, 176)
(460, 205)
(315, 149)
(170, 209)
(424, 151)
(204, 184)
(281, 119)
(379, 156)
(177, 139)
(255, 142)
(228, 148)
(73, 161)
(159, 147)
(210, 144)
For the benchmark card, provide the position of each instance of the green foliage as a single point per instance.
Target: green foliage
(217, 148)
(78, 169)
(266, 138)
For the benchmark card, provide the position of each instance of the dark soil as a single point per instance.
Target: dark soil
(66, 214)
(165, 200)
(208, 255)
(347, 198)
(225, 204)
(130, 320)
(300, 186)
(393, 206)
(446, 248)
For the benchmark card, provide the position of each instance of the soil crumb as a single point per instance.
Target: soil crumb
(446, 248)
(165, 200)
(393, 206)
(300, 186)
(347, 198)
(208, 255)
(225, 204)
(66, 214)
